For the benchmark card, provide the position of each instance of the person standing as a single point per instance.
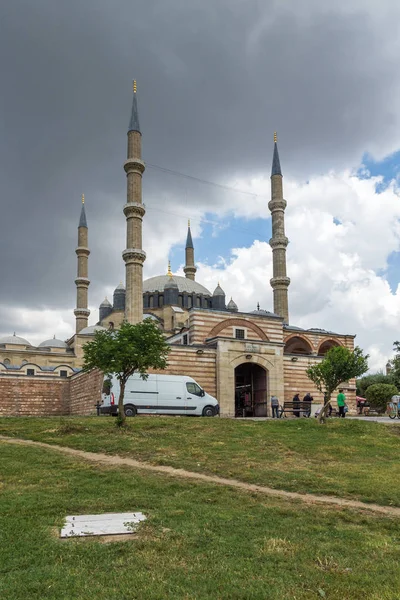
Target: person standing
(341, 402)
(275, 407)
(307, 404)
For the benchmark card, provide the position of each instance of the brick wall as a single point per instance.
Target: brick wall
(33, 396)
(85, 392)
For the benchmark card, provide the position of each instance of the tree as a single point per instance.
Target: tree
(130, 349)
(395, 365)
(365, 382)
(379, 394)
(339, 365)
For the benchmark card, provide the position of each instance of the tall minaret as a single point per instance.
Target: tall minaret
(82, 282)
(134, 211)
(190, 268)
(279, 282)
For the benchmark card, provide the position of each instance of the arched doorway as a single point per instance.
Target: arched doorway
(251, 391)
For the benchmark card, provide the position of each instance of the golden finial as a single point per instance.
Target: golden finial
(134, 86)
(120, 283)
(83, 198)
(188, 222)
(275, 137)
(169, 269)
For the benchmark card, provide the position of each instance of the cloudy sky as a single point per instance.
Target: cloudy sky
(215, 79)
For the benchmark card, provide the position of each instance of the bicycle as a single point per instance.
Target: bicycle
(393, 410)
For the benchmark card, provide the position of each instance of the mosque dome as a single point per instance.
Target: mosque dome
(106, 303)
(14, 339)
(218, 291)
(120, 288)
(157, 284)
(54, 343)
(91, 330)
(232, 306)
(262, 313)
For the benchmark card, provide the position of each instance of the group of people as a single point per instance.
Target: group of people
(305, 408)
(304, 405)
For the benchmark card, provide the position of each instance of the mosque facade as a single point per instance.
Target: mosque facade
(240, 357)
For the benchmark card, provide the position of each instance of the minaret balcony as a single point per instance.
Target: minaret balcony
(82, 282)
(277, 204)
(280, 241)
(134, 255)
(82, 250)
(280, 282)
(134, 165)
(82, 312)
(134, 209)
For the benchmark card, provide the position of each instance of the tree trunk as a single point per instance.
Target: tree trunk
(121, 412)
(324, 410)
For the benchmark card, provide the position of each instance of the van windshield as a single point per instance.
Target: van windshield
(193, 388)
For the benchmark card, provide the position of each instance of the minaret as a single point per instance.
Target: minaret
(82, 282)
(279, 282)
(134, 211)
(190, 268)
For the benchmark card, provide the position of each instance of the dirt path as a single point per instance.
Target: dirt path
(106, 459)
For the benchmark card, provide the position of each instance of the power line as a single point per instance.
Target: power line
(204, 181)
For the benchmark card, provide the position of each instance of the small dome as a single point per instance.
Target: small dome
(262, 313)
(170, 284)
(106, 302)
(54, 343)
(120, 288)
(91, 330)
(218, 291)
(14, 339)
(232, 306)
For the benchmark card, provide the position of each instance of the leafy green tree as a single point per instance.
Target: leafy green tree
(364, 383)
(395, 365)
(339, 365)
(379, 394)
(123, 352)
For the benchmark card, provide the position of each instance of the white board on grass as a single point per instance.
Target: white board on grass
(105, 524)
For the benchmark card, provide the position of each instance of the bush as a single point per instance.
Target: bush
(379, 394)
(365, 382)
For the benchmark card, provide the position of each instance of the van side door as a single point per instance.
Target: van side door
(171, 397)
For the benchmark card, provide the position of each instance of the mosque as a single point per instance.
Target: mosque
(242, 358)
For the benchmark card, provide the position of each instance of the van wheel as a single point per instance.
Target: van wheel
(208, 411)
(130, 410)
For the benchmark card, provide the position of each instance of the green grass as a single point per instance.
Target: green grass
(352, 459)
(201, 542)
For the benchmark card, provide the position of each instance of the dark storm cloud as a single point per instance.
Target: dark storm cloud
(216, 77)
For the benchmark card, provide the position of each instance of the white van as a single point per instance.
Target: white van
(161, 395)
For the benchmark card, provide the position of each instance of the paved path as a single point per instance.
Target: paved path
(114, 460)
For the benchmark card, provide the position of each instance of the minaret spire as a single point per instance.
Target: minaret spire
(82, 282)
(190, 268)
(278, 242)
(134, 211)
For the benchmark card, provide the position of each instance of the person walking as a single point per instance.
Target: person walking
(275, 407)
(341, 402)
(307, 404)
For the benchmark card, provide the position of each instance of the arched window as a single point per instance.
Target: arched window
(297, 345)
(327, 345)
(160, 300)
(151, 302)
(198, 302)
(7, 361)
(190, 301)
(180, 300)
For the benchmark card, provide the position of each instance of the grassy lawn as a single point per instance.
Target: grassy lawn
(201, 542)
(352, 459)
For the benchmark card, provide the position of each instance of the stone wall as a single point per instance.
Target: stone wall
(33, 396)
(85, 392)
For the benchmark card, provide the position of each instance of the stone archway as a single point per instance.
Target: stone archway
(251, 390)
(326, 345)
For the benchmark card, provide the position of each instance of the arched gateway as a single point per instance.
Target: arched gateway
(251, 390)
